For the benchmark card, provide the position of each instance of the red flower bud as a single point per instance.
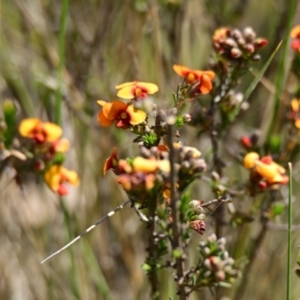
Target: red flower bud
(246, 141)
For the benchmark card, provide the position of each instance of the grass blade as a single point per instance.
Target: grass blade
(290, 216)
(254, 83)
(60, 68)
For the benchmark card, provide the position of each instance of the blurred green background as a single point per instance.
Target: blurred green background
(107, 43)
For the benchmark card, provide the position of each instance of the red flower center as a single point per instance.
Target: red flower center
(140, 92)
(39, 134)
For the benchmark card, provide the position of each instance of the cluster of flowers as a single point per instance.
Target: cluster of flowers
(238, 45)
(264, 171)
(217, 265)
(47, 148)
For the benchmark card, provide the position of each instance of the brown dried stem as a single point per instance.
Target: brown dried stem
(175, 226)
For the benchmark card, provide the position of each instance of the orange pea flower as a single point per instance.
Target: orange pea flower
(111, 162)
(56, 177)
(204, 77)
(123, 114)
(39, 131)
(136, 90)
(295, 34)
(265, 167)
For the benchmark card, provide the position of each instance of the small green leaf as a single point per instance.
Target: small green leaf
(277, 209)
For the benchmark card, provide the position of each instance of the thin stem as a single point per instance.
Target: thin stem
(73, 273)
(62, 36)
(290, 216)
(175, 226)
(152, 250)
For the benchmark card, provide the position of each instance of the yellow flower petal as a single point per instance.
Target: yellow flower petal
(250, 160)
(27, 125)
(122, 85)
(126, 92)
(62, 145)
(137, 116)
(295, 32)
(52, 130)
(164, 165)
(101, 102)
(70, 176)
(144, 165)
(150, 87)
(295, 104)
(297, 123)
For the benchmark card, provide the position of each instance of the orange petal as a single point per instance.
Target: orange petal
(149, 181)
(27, 125)
(181, 70)
(52, 130)
(137, 116)
(150, 87)
(267, 171)
(122, 85)
(103, 121)
(211, 75)
(250, 160)
(111, 162)
(206, 85)
(113, 109)
(295, 32)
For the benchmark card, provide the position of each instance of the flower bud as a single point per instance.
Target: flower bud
(231, 43)
(249, 48)
(212, 238)
(249, 34)
(187, 118)
(220, 275)
(256, 57)
(235, 52)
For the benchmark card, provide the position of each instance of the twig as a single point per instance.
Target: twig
(175, 226)
(142, 217)
(152, 250)
(214, 201)
(87, 230)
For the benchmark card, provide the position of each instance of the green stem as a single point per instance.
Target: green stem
(60, 68)
(73, 273)
(280, 80)
(290, 213)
